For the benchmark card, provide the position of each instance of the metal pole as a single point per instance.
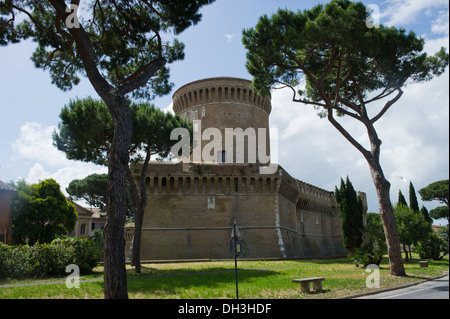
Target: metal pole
(235, 259)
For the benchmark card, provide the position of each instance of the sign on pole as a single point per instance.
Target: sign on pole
(235, 249)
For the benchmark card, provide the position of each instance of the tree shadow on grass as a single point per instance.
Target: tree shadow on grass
(148, 271)
(325, 261)
(199, 283)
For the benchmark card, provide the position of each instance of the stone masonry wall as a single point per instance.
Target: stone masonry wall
(191, 211)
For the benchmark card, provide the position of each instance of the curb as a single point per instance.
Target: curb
(390, 289)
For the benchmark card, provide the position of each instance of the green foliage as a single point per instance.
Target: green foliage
(257, 280)
(331, 48)
(437, 191)
(151, 131)
(47, 260)
(426, 215)
(444, 233)
(92, 189)
(119, 47)
(333, 62)
(86, 131)
(125, 38)
(433, 247)
(413, 203)
(374, 233)
(40, 213)
(351, 212)
(374, 242)
(401, 198)
(97, 240)
(440, 212)
(412, 226)
(84, 253)
(368, 255)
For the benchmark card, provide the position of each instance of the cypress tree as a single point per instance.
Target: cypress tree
(426, 215)
(413, 203)
(350, 211)
(401, 198)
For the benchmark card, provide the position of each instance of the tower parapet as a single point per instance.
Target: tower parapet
(229, 106)
(218, 90)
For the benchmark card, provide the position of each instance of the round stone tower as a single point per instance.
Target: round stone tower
(229, 118)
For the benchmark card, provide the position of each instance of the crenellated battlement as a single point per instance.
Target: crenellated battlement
(209, 179)
(314, 191)
(193, 178)
(218, 91)
(210, 185)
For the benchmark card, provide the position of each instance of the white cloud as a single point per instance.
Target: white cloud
(230, 36)
(63, 175)
(407, 11)
(441, 25)
(415, 135)
(310, 148)
(37, 173)
(35, 145)
(169, 109)
(35, 142)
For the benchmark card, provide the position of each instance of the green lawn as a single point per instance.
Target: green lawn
(216, 280)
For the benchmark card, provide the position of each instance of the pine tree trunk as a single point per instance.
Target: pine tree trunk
(114, 240)
(137, 241)
(139, 216)
(115, 280)
(406, 253)
(382, 187)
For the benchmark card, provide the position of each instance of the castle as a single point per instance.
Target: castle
(192, 205)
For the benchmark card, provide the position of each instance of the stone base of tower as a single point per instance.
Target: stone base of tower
(192, 207)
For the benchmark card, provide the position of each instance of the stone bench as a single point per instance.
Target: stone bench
(423, 264)
(305, 283)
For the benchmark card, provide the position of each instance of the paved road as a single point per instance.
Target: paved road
(434, 289)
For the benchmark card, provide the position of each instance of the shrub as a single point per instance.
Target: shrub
(85, 254)
(432, 247)
(15, 261)
(367, 255)
(4, 251)
(47, 260)
(96, 238)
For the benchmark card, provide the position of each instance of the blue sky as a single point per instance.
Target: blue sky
(415, 132)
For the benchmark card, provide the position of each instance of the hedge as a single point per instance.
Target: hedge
(47, 260)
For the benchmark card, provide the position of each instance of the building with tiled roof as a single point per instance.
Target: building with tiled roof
(88, 220)
(6, 187)
(6, 192)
